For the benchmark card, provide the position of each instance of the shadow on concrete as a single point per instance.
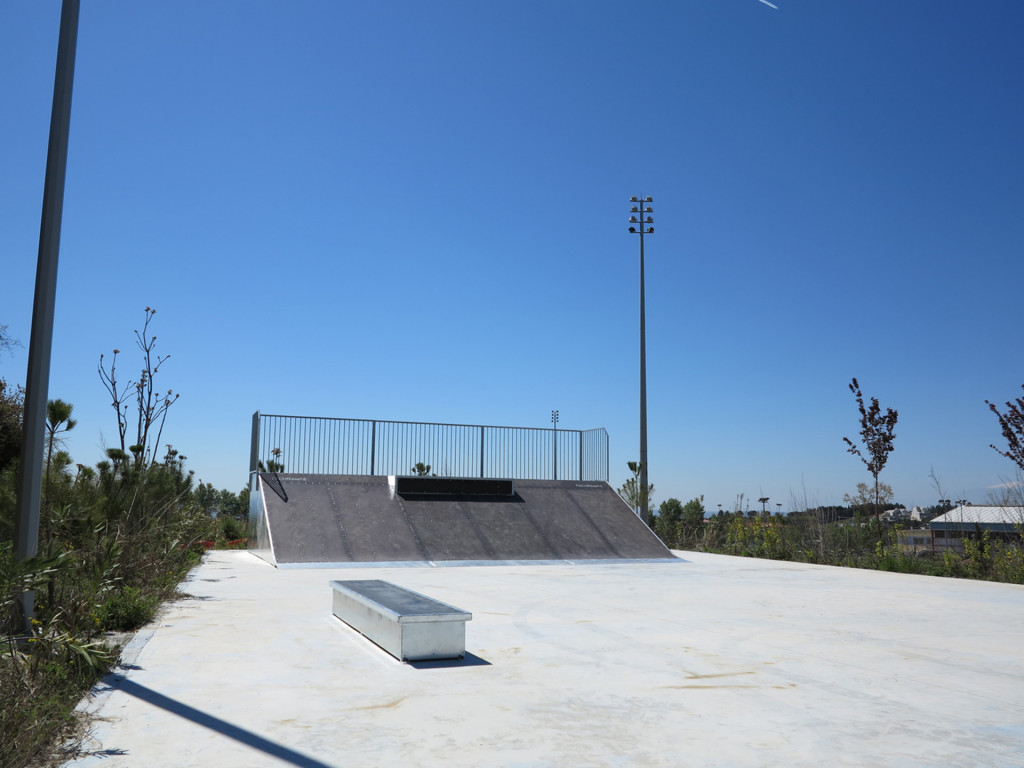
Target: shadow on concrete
(216, 724)
(469, 660)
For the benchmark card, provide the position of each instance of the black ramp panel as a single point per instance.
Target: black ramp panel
(588, 520)
(336, 519)
(347, 518)
(303, 529)
(479, 529)
(569, 528)
(447, 530)
(512, 533)
(626, 534)
(375, 524)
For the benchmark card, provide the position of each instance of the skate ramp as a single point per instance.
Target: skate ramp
(337, 519)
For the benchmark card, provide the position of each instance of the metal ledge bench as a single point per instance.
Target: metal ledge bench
(406, 624)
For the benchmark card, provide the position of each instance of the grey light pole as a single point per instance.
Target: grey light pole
(641, 206)
(37, 380)
(554, 438)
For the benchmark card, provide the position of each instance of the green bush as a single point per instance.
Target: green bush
(232, 528)
(113, 545)
(127, 609)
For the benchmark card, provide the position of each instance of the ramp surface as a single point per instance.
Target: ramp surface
(360, 519)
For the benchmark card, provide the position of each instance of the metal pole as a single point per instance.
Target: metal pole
(554, 440)
(645, 513)
(37, 379)
(643, 208)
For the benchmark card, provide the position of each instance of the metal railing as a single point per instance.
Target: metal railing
(332, 446)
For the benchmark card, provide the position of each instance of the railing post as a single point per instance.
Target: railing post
(254, 447)
(581, 455)
(481, 451)
(373, 445)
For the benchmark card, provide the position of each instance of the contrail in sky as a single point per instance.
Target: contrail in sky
(770, 5)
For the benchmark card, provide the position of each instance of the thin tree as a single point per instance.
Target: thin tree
(151, 405)
(630, 493)
(58, 422)
(1012, 424)
(877, 436)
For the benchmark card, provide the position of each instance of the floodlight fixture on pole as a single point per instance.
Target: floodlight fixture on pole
(554, 438)
(642, 223)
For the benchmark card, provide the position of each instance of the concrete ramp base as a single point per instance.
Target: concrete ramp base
(337, 519)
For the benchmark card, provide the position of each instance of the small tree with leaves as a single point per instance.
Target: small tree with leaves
(1012, 424)
(630, 492)
(666, 524)
(12, 409)
(866, 496)
(273, 465)
(877, 436)
(58, 422)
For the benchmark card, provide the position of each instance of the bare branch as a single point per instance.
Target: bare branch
(1012, 425)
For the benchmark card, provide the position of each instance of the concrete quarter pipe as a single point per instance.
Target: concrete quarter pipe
(333, 519)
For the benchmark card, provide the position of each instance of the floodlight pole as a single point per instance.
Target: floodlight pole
(37, 379)
(640, 205)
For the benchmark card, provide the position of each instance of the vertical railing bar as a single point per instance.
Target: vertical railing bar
(321, 446)
(311, 445)
(344, 450)
(316, 445)
(293, 437)
(286, 431)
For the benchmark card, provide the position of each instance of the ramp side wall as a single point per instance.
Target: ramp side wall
(259, 527)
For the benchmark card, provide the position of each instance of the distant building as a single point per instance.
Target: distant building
(897, 515)
(914, 541)
(964, 522)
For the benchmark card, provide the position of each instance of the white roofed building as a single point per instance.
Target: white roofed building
(965, 521)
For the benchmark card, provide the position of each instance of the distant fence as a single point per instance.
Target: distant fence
(317, 445)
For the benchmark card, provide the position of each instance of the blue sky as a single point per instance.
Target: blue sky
(417, 211)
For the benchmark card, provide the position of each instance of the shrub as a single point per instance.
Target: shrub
(127, 609)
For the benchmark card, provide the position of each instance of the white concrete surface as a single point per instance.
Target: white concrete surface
(711, 661)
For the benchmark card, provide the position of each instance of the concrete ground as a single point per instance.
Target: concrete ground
(705, 661)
